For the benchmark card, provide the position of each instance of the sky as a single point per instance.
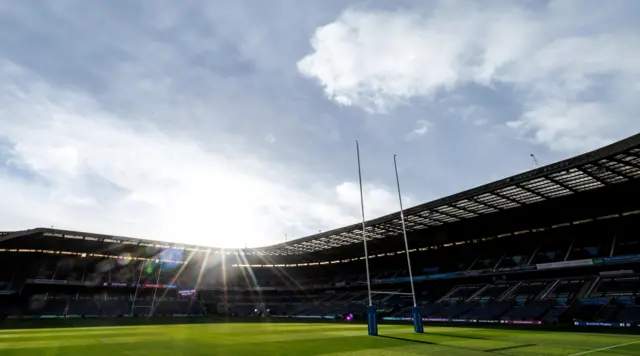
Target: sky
(233, 123)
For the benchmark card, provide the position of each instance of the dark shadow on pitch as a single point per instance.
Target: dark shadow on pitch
(458, 336)
(424, 342)
(410, 340)
(509, 348)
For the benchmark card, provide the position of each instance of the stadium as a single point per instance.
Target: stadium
(539, 263)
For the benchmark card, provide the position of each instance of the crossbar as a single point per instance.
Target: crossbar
(395, 293)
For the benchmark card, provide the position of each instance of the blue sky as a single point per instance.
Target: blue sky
(233, 123)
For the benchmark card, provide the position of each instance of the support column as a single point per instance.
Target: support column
(417, 320)
(372, 320)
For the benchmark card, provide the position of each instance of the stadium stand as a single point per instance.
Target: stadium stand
(558, 244)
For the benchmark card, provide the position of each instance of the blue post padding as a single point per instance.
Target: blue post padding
(372, 320)
(417, 320)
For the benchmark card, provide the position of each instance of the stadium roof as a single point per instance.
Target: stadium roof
(610, 165)
(613, 164)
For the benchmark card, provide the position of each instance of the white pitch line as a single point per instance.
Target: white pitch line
(604, 348)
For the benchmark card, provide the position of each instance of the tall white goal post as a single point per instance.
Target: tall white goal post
(372, 318)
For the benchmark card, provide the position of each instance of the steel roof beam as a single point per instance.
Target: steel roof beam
(625, 162)
(429, 216)
(436, 211)
(632, 153)
(533, 192)
(509, 199)
(598, 167)
(392, 229)
(413, 223)
(563, 185)
(454, 206)
(484, 204)
(488, 204)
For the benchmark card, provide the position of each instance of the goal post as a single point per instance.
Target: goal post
(415, 311)
(372, 320)
(372, 317)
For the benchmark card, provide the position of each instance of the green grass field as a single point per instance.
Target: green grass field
(305, 339)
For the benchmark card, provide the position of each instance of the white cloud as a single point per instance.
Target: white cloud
(571, 65)
(422, 127)
(378, 59)
(81, 166)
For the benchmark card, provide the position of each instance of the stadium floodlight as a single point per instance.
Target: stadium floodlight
(372, 318)
(417, 317)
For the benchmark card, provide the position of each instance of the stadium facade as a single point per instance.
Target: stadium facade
(555, 245)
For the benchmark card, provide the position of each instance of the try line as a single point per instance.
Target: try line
(605, 348)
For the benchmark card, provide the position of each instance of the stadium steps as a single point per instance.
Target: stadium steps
(452, 311)
(545, 292)
(550, 315)
(588, 288)
(477, 293)
(509, 292)
(533, 310)
(404, 311)
(451, 292)
(83, 307)
(602, 309)
(430, 309)
(490, 311)
(569, 313)
(387, 297)
(501, 314)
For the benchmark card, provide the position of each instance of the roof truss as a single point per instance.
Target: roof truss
(614, 164)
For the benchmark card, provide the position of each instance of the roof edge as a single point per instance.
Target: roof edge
(591, 156)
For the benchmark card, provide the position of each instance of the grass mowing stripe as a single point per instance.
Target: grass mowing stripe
(302, 339)
(604, 348)
(67, 333)
(64, 342)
